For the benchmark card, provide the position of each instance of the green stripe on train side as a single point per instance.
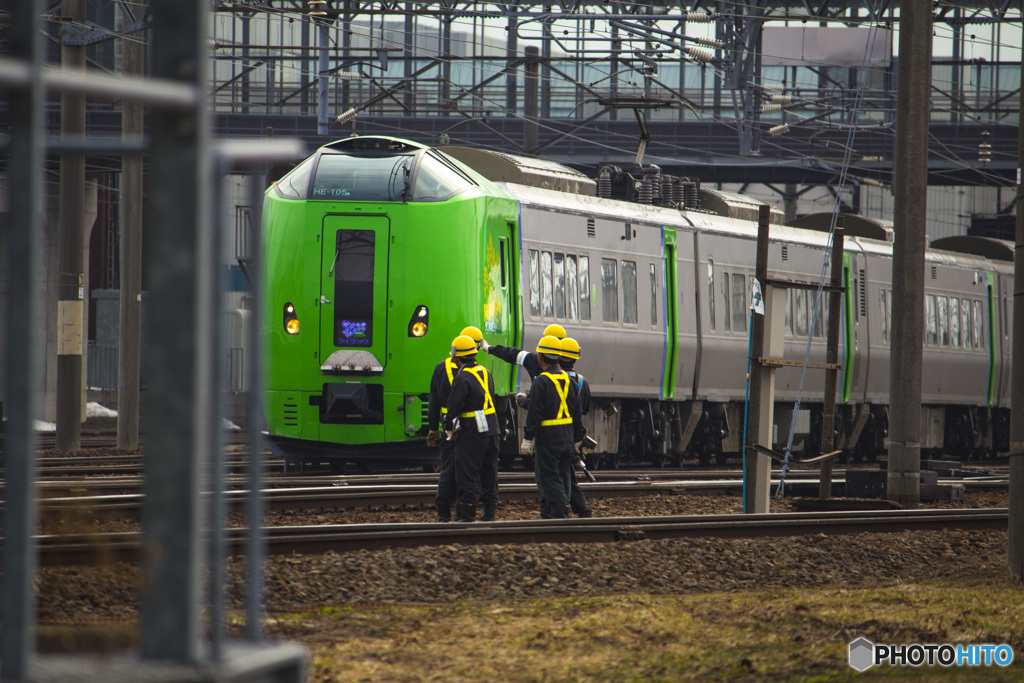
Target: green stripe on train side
(990, 304)
(848, 327)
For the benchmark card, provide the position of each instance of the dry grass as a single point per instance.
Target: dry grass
(785, 635)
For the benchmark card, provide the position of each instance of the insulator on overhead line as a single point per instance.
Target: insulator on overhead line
(779, 130)
(347, 75)
(698, 17)
(346, 115)
(604, 182)
(708, 42)
(699, 54)
(773, 87)
(782, 99)
(769, 108)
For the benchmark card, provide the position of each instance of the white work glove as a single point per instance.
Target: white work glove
(484, 346)
(522, 400)
(526, 447)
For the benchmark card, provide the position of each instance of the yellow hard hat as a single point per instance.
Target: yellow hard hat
(463, 345)
(549, 346)
(570, 348)
(473, 333)
(554, 330)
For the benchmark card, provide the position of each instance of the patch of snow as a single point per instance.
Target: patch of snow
(231, 426)
(97, 410)
(40, 426)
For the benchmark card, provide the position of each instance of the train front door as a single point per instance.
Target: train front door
(353, 292)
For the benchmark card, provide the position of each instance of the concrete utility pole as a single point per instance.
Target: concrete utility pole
(129, 342)
(828, 416)
(757, 467)
(530, 107)
(1015, 547)
(71, 249)
(910, 200)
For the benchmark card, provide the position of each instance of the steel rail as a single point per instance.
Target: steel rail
(125, 547)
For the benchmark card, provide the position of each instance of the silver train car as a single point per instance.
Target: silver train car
(652, 275)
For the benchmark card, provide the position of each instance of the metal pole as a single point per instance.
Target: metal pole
(323, 125)
(23, 370)
(71, 253)
(828, 413)
(530, 109)
(129, 342)
(177, 360)
(910, 200)
(750, 456)
(1015, 547)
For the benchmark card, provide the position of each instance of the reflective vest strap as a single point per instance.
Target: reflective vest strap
(444, 410)
(563, 417)
(451, 368)
(481, 376)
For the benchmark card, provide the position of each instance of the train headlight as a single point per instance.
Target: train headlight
(419, 322)
(291, 319)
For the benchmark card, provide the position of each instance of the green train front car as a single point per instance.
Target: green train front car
(377, 251)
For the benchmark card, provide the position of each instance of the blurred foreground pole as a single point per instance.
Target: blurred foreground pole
(23, 371)
(910, 202)
(1015, 549)
(178, 363)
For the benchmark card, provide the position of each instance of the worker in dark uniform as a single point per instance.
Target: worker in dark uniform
(526, 359)
(570, 354)
(437, 407)
(553, 425)
(472, 423)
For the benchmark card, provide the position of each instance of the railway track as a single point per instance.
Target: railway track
(125, 547)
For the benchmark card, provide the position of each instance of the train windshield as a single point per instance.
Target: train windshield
(367, 179)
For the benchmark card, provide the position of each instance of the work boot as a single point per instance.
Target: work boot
(584, 512)
(487, 515)
(444, 513)
(466, 512)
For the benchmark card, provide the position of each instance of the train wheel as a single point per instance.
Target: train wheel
(363, 467)
(593, 461)
(721, 458)
(431, 467)
(704, 458)
(336, 466)
(507, 462)
(528, 463)
(612, 461)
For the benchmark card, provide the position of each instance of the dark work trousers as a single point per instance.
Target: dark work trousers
(553, 469)
(447, 493)
(577, 501)
(476, 468)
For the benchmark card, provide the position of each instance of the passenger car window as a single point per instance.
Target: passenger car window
(943, 331)
(739, 302)
(609, 290)
(546, 304)
(979, 326)
(654, 295)
(726, 301)
(558, 275)
(954, 321)
(572, 302)
(711, 294)
(584, 288)
(930, 328)
(629, 312)
(534, 283)
(800, 312)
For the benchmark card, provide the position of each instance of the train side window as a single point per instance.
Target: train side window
(888, 309)
(979, 326)
(930, 331)
(609, 290)
(711, 295)
(954, 322)
(534, 283)
(788, 323)
(502, 263)
(585, 296)
(940, 317)
(739, 302)
(800, 312)
(726, 302)
(885, 320)
(816, 311)
(296, 183)
(559, 281)
(571, 288)
(629, 312)
(546, 303)
(965, 322)
(654, 295)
